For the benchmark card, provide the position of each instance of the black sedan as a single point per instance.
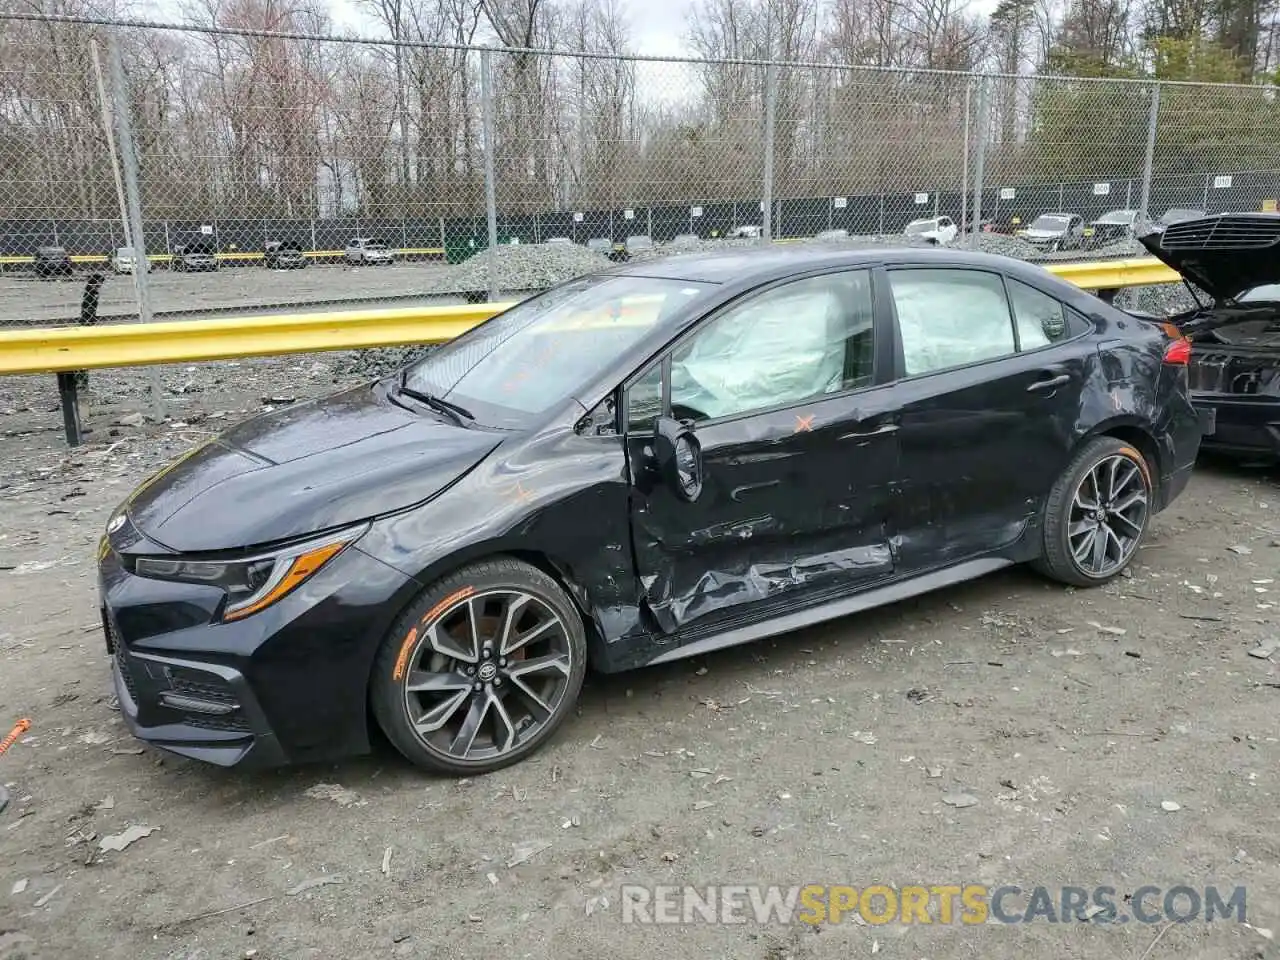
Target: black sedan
(1235, 373)
(641, 465)
(52, 262)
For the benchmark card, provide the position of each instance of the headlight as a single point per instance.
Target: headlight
(252, 583)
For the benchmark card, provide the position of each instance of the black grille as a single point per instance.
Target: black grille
(1227, 232)
(233, 723)
(202, 686)
(126, 672)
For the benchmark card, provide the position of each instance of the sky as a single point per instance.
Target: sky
(658, 32)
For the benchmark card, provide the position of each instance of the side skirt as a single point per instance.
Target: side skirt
(880, 596)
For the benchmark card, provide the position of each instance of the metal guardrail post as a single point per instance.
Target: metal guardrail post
(766, 188)
(490, 187)
(1153, 120)
(133, 204)
(980, 155)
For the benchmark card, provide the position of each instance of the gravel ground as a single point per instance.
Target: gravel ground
(1076, 720)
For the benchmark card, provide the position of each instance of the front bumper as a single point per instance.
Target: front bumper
(285, 685)
(1241, 425)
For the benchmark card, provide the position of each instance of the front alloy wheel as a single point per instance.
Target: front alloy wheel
(1097, 513)
(481, 669)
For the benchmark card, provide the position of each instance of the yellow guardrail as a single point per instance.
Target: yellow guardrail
(1114, 274)
(51, 350)
(238, 255)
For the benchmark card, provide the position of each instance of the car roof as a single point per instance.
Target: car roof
(738, 265)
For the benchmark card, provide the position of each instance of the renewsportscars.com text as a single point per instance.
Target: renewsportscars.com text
(967, 904)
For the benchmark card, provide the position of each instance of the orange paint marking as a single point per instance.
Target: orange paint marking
(406, 648)
(1140, 460)
(804, 424)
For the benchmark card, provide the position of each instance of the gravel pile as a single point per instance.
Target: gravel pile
(1001, 245)
(520, 267)
(1161, 301)
(676, 248)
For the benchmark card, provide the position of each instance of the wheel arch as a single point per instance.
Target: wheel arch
(1138, 434)
(557, 568)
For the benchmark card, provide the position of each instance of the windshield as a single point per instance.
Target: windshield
(1118, 216)
(542, 351)
(1267, 293)
(1049, 223)
(1178, 214)
(921, 226)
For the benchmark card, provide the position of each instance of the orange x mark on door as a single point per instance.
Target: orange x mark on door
(804, 424)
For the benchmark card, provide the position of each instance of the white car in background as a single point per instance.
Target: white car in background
(123, 260)
(939, 230)
(368, 250)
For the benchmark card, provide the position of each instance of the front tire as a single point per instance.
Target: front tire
(481, 669)
(1097, 514)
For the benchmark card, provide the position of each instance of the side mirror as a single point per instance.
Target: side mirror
(679, 458)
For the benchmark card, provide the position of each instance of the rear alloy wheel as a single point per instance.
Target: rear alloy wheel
(1097, 513)
(481, 669)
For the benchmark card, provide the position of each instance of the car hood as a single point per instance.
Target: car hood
(1223, 255)
(1030, 234)
(304, 469)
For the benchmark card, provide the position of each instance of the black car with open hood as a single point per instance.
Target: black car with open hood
(1232, 263)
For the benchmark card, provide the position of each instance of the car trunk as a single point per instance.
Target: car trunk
(1237, 335)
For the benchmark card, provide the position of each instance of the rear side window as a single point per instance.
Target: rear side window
(1040, 318)
(950, 318)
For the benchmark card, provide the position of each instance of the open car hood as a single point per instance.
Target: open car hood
(1224, 255)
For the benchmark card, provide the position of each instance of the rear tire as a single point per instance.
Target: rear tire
(481, 669)
(1096, 514)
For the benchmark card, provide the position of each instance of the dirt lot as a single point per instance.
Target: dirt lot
(26, 299)
(821, 757)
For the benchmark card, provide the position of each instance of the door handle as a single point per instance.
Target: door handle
(1051, 384)
(876, 432)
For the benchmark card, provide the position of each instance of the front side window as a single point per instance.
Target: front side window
(801, 340)
(950, 318)
(542, 351)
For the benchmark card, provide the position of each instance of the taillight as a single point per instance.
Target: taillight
(1178, 352)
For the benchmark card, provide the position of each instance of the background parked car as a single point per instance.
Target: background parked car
(559, 241)
(600, 245)
(283, 255)
(827, 235)
(200, 255)
(52, 262)
(747, 232)
(1178, 215)
(933, 229)
(1051, 232)
(1110, 227)
(124, 260)
(368, 250)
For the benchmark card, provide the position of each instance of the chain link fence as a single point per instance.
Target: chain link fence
(269, 171)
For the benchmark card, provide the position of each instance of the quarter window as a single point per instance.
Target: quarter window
(787, 345)
(1040, 318)
(950, 318)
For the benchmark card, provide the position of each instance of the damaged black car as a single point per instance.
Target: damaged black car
(645, 464)
(1232, 265)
